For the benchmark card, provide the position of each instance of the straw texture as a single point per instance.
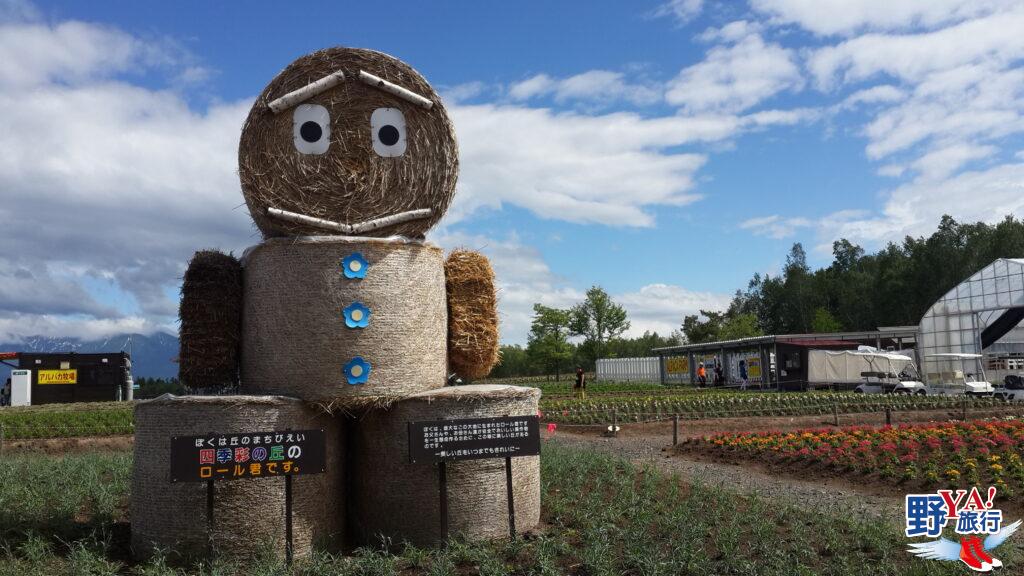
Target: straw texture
(211, 321)
(249, 514)
(392, 498)
(350, 182)
(295, 339)
(472, 314)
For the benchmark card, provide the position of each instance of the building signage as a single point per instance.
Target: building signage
(754, 368)
(677, 365)
(58, 376)
(248, 455)
(469, 439)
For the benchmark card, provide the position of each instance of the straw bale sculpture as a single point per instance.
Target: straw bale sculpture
(346, 160)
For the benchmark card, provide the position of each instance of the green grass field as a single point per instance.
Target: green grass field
(603, 516)
(629, 402)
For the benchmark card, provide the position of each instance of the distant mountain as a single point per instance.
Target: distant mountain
(152, 356)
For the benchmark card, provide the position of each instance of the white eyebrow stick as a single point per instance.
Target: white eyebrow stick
(306, 92)
(395, 89)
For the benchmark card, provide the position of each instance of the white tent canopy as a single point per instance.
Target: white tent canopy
(846, 366)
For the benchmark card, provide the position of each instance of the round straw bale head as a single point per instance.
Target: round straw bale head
(249, 516)
(349, 182)
(211, 321)
(472, 314)
(316, 307)
(393, 498)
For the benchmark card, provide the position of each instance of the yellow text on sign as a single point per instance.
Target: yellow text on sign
(58, 376)
(677, 365)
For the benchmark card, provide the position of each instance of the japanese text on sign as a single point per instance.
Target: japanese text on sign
(247, 455)
(474, 438)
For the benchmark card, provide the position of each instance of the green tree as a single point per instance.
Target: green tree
(715, 326)
(825, 322)
(548, 344)
(514, 362)
(597, 319)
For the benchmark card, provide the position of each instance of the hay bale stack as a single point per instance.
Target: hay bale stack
(295, 337)
(211, 321)
(349, 182)
(472, 314)
(396, 499)
(249, 514)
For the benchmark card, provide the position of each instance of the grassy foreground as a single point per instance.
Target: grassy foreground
(602, 514)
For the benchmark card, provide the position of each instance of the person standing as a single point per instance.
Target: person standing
(580, 386)
(702, 374)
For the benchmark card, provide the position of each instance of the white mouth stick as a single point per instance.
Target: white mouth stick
(357, 228)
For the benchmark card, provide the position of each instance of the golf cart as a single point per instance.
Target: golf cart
(955, 382)
(890, 374)
(1011, 390)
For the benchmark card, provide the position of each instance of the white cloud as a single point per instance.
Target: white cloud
(731, 32)
(940, 163)
(598, 86)
(118, 181)
(661, 307)
(35, 288)
(524, 278)
(733, 78)
(964, 104)
(609, 169)
(827, 17)
(915, 208)
(775, 226)
(683, 11)
(995, 40)
(14, 329)
(462, 92)
(881, 94)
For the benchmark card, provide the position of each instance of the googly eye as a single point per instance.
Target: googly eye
(387, 127)
(311, 127)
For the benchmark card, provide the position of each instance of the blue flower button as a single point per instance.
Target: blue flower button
(357, 371)
(354, 265)
(356, 315)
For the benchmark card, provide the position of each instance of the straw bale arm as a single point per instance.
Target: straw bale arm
(211, 321)
(472, 314)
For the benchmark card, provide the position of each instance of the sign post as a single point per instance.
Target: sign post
(442, 441)
(214, 457)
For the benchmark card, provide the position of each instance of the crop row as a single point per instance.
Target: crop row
(60, 422)
(935, 455)
(724, 405)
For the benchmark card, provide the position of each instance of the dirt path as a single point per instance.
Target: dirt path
(834, 496)
(58, 446)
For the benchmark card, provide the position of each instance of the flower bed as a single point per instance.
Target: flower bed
(932, 455)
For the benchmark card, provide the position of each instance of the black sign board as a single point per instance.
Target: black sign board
(469, 439)
(248, 455)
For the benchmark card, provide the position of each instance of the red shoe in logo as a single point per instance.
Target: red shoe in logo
(968, 557)
(980, 554)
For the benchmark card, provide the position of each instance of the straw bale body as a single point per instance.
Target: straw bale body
(211, 321)
(396, 499)
(249, 514)
(349, 182)
(296, 336)
(472, 314)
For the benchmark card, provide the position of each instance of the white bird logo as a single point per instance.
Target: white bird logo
(970, 550)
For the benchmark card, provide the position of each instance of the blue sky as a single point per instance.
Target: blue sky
(664, 150)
